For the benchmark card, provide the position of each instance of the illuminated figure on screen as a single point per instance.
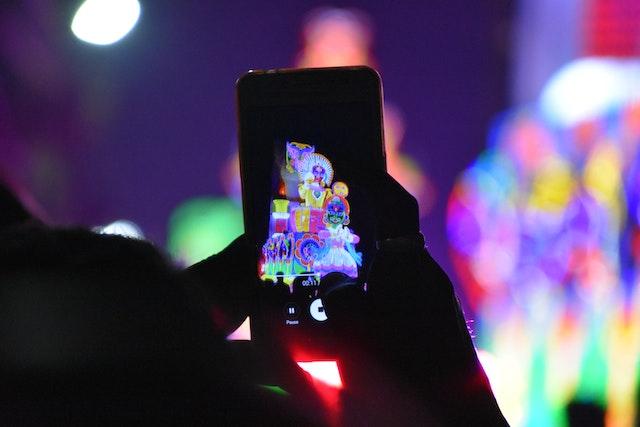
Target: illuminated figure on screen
(294, 153)
(307, 230)
(316, 173)
(339, 254)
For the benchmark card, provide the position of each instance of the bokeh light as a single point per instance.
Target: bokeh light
(121, 227)
(543, 229)
(201, 227)
(589, 87)
(103, 22)
(336, 37)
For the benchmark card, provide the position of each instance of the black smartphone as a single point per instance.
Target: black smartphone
(303, 135)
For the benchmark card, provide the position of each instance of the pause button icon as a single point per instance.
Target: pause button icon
(291, 310)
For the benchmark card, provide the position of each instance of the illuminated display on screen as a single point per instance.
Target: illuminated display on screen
(308, 233)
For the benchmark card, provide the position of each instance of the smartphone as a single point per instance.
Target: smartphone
(303, 133)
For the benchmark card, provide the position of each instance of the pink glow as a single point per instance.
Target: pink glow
(243, 333)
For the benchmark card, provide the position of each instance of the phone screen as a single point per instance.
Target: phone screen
(308, 234)
(308, 216)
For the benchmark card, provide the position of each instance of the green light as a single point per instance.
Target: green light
(201, 227)
(274, 389)
(540, 413)
(593, 372)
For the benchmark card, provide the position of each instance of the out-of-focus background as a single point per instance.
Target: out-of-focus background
(516, 125)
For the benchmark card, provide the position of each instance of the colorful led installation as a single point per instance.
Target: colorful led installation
(308, 233)
(544, 229)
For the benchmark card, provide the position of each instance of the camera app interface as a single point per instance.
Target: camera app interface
(310, 232)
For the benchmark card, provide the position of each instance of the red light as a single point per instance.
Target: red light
(325, 371)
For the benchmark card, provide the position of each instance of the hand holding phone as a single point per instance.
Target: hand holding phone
(312, 164)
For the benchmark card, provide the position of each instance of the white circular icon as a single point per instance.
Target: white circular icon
(317, 310)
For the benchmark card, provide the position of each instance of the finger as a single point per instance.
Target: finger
(229, 281)
(395, 210)
(343, 301)
(346, 309)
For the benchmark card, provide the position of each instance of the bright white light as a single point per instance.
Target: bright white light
(104, 22)
(122, 228)
(589, 87)
(243, 333)
(325, 371)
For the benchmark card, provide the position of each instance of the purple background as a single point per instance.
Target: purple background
(138, 127)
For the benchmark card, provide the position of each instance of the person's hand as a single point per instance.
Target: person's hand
(405, 347)
(232, 291)
(405, 351)
(229, 282)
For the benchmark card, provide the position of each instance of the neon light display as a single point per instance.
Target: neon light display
(544, 230)
(308, 233)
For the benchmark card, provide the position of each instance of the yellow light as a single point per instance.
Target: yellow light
(508, 365)
(552, 186)
(602, 175)
(565, 349)
(623, 348)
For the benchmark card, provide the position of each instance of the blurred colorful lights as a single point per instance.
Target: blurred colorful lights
(103, 22)
(589, 87)
(543, 230)
(201, 227)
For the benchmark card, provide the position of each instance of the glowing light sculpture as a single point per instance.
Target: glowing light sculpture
(544, 231)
